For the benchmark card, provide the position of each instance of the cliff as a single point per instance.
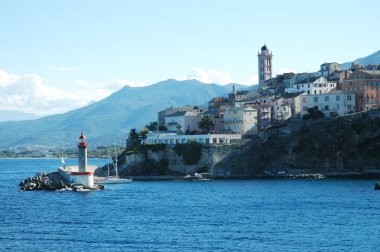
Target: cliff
(329, 145)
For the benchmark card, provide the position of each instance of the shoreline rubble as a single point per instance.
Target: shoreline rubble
(53, 182)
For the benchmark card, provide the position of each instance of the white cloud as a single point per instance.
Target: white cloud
(29, 93)
(64, 69)
(208, 76)
(251, 80)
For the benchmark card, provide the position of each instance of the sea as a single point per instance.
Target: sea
(216, 215)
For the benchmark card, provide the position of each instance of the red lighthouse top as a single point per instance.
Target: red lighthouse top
(82, 142)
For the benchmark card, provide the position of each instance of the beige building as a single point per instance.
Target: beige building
(240, 120)
(366, 85)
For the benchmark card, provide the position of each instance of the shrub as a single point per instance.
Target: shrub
(191, 152)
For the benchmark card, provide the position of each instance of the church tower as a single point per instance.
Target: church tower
(265, 65)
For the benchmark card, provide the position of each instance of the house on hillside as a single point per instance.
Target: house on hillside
(166, 112)
(217, 118)
(240, 120)
(182, 121)
(315, 85)
(366, 85)
(334, 103)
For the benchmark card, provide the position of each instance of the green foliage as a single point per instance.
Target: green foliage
(152, 126)
(358, 127)
(206, 124)
(313, 114)
(152, 147)
(162, 127)
(144, 132)
(191, 152)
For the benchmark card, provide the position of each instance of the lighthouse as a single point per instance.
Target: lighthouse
(82, 157)
(83, 175)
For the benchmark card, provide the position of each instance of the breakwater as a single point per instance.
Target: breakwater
(52, 182)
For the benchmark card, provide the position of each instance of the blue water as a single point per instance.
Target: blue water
(247, 215)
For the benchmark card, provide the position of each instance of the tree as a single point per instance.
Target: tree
(206, 124)
(162, 127)
(144, 132)
(313, 114)
(152, 126)
(133, 134)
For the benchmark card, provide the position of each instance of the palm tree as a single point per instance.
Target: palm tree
(205, 124)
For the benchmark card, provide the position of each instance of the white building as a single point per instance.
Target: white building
(182, 121)
(174, 138)
(294, 100)
(316, 85)
(335, 103)
(240, 120)
(282, 110)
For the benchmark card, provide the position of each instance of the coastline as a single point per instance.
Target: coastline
(311, 176)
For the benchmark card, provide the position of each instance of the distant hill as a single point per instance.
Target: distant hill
(111, 117)
(370, 59)
(11, 115)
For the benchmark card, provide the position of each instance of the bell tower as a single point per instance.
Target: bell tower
(265, 65)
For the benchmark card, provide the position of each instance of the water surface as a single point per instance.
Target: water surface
(231, 215)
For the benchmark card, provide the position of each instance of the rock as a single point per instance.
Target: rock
(377, 186)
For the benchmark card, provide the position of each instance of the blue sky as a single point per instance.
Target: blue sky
(52, 50)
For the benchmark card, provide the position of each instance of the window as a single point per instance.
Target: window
(315, 99)
(315, 91)
(337, 107)
(337, 98)
(315, 107)
(214, 140)
(304, 108)
(327, 107)
(327, 98)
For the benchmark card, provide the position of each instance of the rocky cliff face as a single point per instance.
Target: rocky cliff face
(322, 146)
(325, 145)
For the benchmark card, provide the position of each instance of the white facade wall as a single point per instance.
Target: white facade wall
(240, 120)
(86, 180)
(172, 138)
(335, 103)
(189, 121)
(320, 86)
(282, 110)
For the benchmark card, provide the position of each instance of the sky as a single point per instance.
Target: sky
(56, 56)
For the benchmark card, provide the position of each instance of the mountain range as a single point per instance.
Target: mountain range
(370, 59)
(11, 115)
(111, 118)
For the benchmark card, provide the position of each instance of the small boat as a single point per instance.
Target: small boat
(113, 179)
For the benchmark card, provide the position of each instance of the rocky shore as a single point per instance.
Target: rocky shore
(53, 182)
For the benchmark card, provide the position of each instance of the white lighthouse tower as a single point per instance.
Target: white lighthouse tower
(83, 175)
(265, 65)
(82, 157)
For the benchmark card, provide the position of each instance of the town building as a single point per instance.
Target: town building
(281, 110)
(334, 103)
(327, 69)
(366, 85)
(217, 118)
(182, 121)
(174, 138)
(166, 112)
(265, 65)
(315, 85)
(240, 120)
(294, 100)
